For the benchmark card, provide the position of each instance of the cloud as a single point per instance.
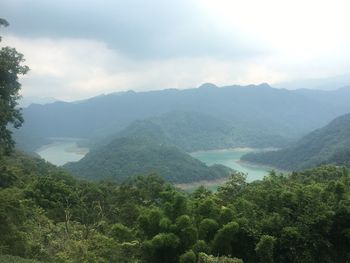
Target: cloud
(82, 48)
(71, 69)
(142, 29)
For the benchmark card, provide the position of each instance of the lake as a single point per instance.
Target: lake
(62, 150)
(230, 158)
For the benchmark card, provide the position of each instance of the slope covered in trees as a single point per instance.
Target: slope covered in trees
(128, 156)
(260, 109)
(328, 145)
(193, 131)
(49, 216)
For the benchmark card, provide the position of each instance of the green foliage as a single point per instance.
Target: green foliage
(125, 157)
(264, 249)
(188, 257)
(204, 258)
(193, 131)
(207, 229)
(12, 218)
(225, 238)
(328, 145)
(164, 247)
(13, 259)
(49, 216)
(121, 233)
(10, 68)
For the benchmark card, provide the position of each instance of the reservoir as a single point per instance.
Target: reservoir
(231, 158)
(62, 150)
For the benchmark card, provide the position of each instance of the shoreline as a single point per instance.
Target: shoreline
(236, 149)
(220, 181)
(252, 164)
(243, 166)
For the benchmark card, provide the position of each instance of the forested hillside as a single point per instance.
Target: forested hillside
(192, 131)
(255, 110)
(128, 156)
(328, 145)
(49, 216)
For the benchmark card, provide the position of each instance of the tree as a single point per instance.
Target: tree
(207, 229)
(188, 257)
(264, 249)
(163, 248)
(204, 258)
(10, 68)
(224, 239)
(121, 233)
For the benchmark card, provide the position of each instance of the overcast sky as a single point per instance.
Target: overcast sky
(82, 48)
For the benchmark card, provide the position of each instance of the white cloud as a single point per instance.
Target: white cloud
(71, 69)
(186, 44)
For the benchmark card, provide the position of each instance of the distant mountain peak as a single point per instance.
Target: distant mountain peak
(264, 85)
(208, 86)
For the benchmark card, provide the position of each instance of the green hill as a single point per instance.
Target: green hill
(328, 145)
(193, 131)
(125, 157)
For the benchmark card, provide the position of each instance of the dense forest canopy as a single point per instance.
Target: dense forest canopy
(49, 216)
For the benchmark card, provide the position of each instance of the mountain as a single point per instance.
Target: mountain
(193, 131)
(25, 101)
(328, 145)
(330, 83)
(125, 157)
(260, 109)
(340, 96)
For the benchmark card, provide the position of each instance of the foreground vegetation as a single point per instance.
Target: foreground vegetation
(49, 216)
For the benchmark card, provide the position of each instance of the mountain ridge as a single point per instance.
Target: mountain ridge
(327, 145)
(259, 108)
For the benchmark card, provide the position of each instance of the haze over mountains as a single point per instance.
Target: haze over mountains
(328, 145)
(328, 83)
(131, 133)
(251, 111)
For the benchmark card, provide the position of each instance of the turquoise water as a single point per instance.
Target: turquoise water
(62, 150)
(230, 158)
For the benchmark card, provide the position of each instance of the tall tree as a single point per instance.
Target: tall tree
(10, 115)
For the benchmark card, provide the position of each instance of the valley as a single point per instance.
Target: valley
(63, 150)
(174, 131)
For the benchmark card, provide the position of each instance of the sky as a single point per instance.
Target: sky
(82, 48)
